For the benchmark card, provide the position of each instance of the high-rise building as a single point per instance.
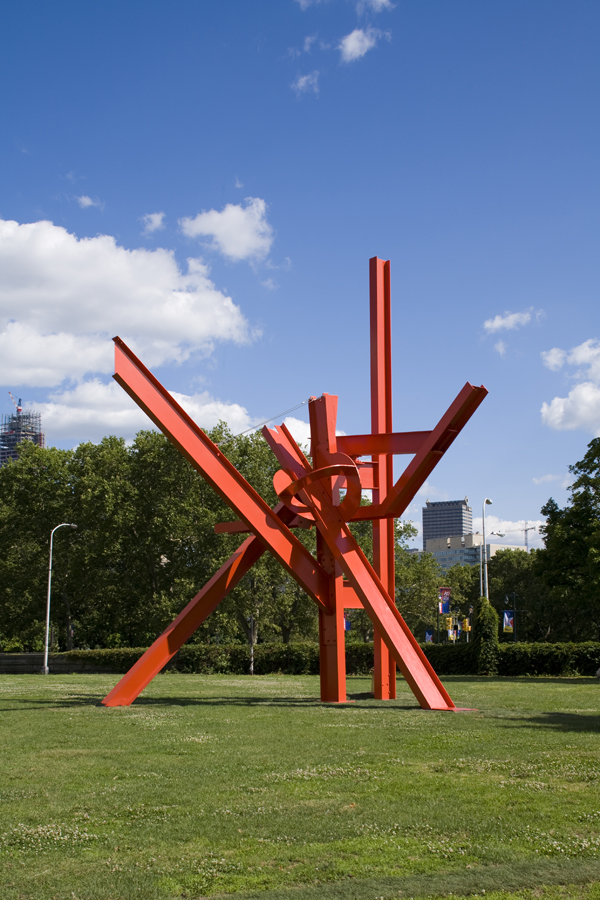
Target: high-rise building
(17, 427)
(446, 518)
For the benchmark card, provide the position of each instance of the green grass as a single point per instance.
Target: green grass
(212, 785)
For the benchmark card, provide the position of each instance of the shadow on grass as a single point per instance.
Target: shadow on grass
(532, 875)
(530, 680)
(355, 701)
(558, 721)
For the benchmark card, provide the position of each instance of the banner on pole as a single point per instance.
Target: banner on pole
(429, 637)
(444, 601)
(509, 621)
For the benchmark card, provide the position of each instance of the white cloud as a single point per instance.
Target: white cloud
(512, 530)
(431, 492)
(270, 284)
(500, 347)
(564, 480)
(358, 42)
(153, 222)
(62, 299)
(544, 479)
(588, 356)
(309, 41)
(375, 6)
(581, 408)
(85, 201)
(554, 359)
(238, 183)
(238, 232)
(306, 84)
(93, 409)
(30, 358)
(304, 4)
(507, 322)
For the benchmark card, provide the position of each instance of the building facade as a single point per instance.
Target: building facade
(464, 550)
(446, 518)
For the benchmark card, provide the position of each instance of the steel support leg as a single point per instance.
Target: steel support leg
(384, 669)
(332, 644)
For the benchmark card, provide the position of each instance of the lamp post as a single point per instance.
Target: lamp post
(482, 549)
(483, 583)
(46, 670)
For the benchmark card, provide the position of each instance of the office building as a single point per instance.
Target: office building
(446, 518)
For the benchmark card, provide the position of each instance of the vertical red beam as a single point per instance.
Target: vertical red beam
(381, 423)
(332, 638)
(332, 646)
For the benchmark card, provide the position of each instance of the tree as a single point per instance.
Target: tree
(145, 541)
(485, 637)
(35, 496)
(418, 578)
(463, 581)
(515, 584)
(569, 565)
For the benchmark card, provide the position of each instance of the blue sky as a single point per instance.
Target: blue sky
(209, 181)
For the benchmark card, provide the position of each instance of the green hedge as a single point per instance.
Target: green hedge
(451, 659)
(549, 659)
(519, 659)
(303, 659)
(209, 659)
(234, 659)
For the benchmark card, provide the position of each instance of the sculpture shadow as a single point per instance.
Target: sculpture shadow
(566, 722)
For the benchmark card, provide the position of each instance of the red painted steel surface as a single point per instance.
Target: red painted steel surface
(341, 577)
(368, 444)
(429, 454)
(346, 553)
(166, 646)
(214, 466)
(384, 669)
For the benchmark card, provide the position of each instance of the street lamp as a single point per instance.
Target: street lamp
(482, 550)
(46, 670)
(483, 565)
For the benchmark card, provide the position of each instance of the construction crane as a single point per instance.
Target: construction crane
(525, 530)
(18, 405)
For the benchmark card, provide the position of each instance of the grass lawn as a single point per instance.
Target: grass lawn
(212, 785)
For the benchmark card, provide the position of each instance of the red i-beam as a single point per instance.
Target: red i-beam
(341, 577)
(384, 674)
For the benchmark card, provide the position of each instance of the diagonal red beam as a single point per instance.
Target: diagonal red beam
(425, 460)
(182, 628)
(213, 465)
(189, 619)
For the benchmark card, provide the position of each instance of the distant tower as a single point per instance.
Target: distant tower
(17, 427)
(446, 518)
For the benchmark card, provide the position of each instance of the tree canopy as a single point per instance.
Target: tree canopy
(569, 566)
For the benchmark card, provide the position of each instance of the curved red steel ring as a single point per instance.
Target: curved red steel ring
(287, 489)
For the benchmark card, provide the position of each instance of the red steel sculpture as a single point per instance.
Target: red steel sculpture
(340, 577)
